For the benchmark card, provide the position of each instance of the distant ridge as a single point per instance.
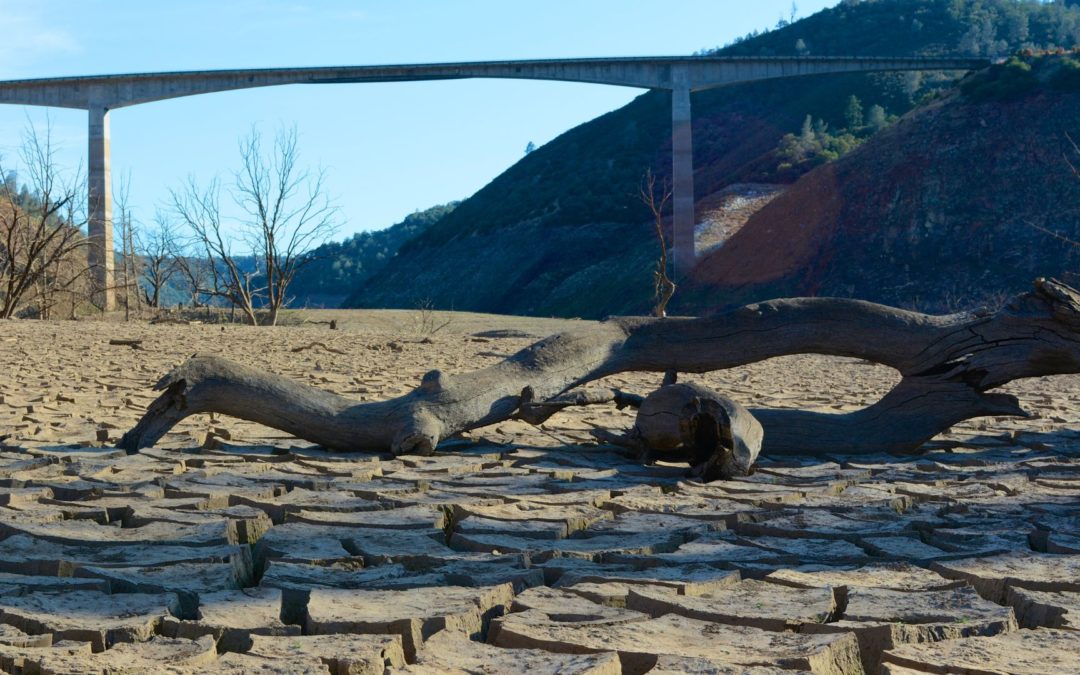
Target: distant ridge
(338, 267)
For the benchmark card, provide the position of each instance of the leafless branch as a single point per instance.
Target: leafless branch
(200, 209)
(159, 265)
(39, 229)
(1056, 235)
(1073, 162)
(663, 286)
(283, 212)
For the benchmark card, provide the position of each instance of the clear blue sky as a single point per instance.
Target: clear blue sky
(388, 149)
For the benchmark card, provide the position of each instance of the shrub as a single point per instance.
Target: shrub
(1001, 82)
(1067, 76)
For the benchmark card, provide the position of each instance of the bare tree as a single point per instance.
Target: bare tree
(1072, 160)
(283, 211)
(130, 267)
(198, 273)
(663, 286)
(287, 211)
(64, 278)
(200, 210)
(39, 228)
(159, 265)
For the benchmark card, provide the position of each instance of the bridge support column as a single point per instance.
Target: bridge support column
(100, 254)
(682, 180)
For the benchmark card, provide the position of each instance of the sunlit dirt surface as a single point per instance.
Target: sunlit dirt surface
(231, 547)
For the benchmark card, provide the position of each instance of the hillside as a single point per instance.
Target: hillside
(965, 200)
(562, 231)
(334, 268)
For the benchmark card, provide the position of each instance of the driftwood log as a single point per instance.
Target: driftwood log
(948, 365)
(722, 438)
(716, 435)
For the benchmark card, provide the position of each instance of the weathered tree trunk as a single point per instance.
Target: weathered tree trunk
(948, 363)
(720, 437)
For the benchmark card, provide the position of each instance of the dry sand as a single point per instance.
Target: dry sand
(519, 548)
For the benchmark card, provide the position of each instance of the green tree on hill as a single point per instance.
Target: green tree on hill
(853, 113)
(877, 118)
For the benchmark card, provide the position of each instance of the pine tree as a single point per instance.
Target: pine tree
(853, 113)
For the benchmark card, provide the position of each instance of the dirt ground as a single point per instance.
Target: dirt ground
(232, 548)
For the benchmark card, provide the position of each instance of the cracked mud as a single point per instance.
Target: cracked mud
(230, 548)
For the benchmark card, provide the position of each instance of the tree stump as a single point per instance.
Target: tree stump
(719, 437)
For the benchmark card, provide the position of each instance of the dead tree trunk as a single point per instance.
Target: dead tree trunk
(948, 364)
(719, 437)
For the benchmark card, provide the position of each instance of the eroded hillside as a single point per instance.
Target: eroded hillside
(964, 200)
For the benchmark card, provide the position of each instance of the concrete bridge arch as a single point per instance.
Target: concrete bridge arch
(679, 75)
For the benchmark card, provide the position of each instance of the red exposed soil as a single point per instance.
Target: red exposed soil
(783, 238)
(956, 200)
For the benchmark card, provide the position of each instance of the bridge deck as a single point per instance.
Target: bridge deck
(694, 73)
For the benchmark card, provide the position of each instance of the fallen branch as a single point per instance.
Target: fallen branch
(332, 323)
(134, 344)
(948, 364)
(157, 320)
(312, 345)
(538, 412)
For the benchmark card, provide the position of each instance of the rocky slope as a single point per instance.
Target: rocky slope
(966, 199)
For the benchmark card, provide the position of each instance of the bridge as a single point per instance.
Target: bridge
(679, 75)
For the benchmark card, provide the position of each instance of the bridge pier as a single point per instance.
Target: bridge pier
(100, 254)
(682, 177)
